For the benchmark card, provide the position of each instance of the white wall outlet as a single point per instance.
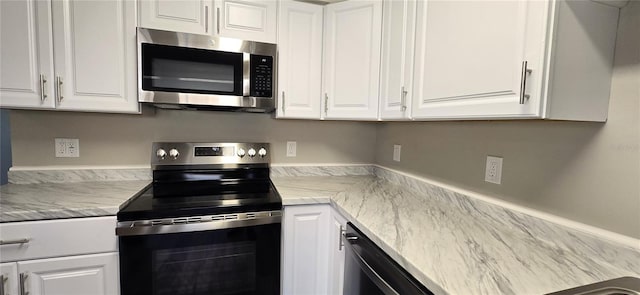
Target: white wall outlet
(396, 152)
(493, 171)
(67, 148)
(291, 148)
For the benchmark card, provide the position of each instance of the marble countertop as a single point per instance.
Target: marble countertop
(452, 243)
(455, 245)
(23, 202)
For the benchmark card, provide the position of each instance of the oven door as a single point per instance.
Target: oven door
(241, 260)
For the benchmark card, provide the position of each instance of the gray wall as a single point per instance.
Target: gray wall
(115, 139)
(589, 172)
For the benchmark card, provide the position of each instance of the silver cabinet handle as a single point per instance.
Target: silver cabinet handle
(43, 93)
(218, 20)
(326, 104)
(23, 284)
(283, 102)
(343, 232)
(523, 82)
(403, 99)
(59, 87)
(3, 281)
(206, 18)
(13, 242)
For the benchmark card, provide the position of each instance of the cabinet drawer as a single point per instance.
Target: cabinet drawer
(62, 237)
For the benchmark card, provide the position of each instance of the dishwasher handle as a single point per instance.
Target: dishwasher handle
(349, 241)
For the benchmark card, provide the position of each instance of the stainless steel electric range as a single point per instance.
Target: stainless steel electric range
(209, 223)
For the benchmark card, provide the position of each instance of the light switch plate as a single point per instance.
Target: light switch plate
(493, 171)
(396, 152)
(291, 148)
(67, 147)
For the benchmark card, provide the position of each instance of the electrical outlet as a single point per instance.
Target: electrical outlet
(67, 147)
(493, 171)
(396, 152)
(291, 148)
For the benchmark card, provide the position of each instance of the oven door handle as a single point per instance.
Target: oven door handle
(367, 269)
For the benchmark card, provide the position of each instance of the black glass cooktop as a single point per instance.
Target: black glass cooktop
(197, 193)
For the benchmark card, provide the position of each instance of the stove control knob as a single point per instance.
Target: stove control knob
(173, 153)
(262, 152)
(161, 154)
(251, 153)
(241, 153)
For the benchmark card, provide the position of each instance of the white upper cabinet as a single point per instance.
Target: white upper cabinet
(95, 61)
(195, 17)
(299, 60)
(396, 73)
(254, 20)
(496, 60)
(26, 61)
(69, 55)
(469, 58)
(353, 31)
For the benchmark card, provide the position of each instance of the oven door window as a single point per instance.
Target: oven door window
(236, 261)
(191, 70)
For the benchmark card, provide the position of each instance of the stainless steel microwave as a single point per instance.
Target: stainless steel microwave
(179, 70)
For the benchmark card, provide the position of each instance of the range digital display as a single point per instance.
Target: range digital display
(213, 151)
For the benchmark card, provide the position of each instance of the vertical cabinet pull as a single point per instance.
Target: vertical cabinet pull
(326, 104)
(218, 20)
(283, 102)
(403, 99)
(23, 284)
(59, 88)
(206, 18)
(43, 88)
(340, 241)
(523, 82)
(3, 282)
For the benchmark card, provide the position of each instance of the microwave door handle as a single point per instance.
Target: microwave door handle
(367, 269)
(246, 74)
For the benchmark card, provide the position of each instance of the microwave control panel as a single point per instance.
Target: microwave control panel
(261, 76)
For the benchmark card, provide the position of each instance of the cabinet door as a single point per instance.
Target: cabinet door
(299, 59)
(9, 278)
(305, 253)
(254, 20)
(95, 274)
(469, 59)
(336, 253)
(95, 55)
(353, 32)
(190, 16)
(398, 34)
(26, 58)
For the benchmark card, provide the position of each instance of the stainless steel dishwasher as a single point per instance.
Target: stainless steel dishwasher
(370, 271)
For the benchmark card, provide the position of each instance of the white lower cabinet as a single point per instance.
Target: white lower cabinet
(337, 226)
(9, 278)
(55, 257)
(313, 260)
(95, 274)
